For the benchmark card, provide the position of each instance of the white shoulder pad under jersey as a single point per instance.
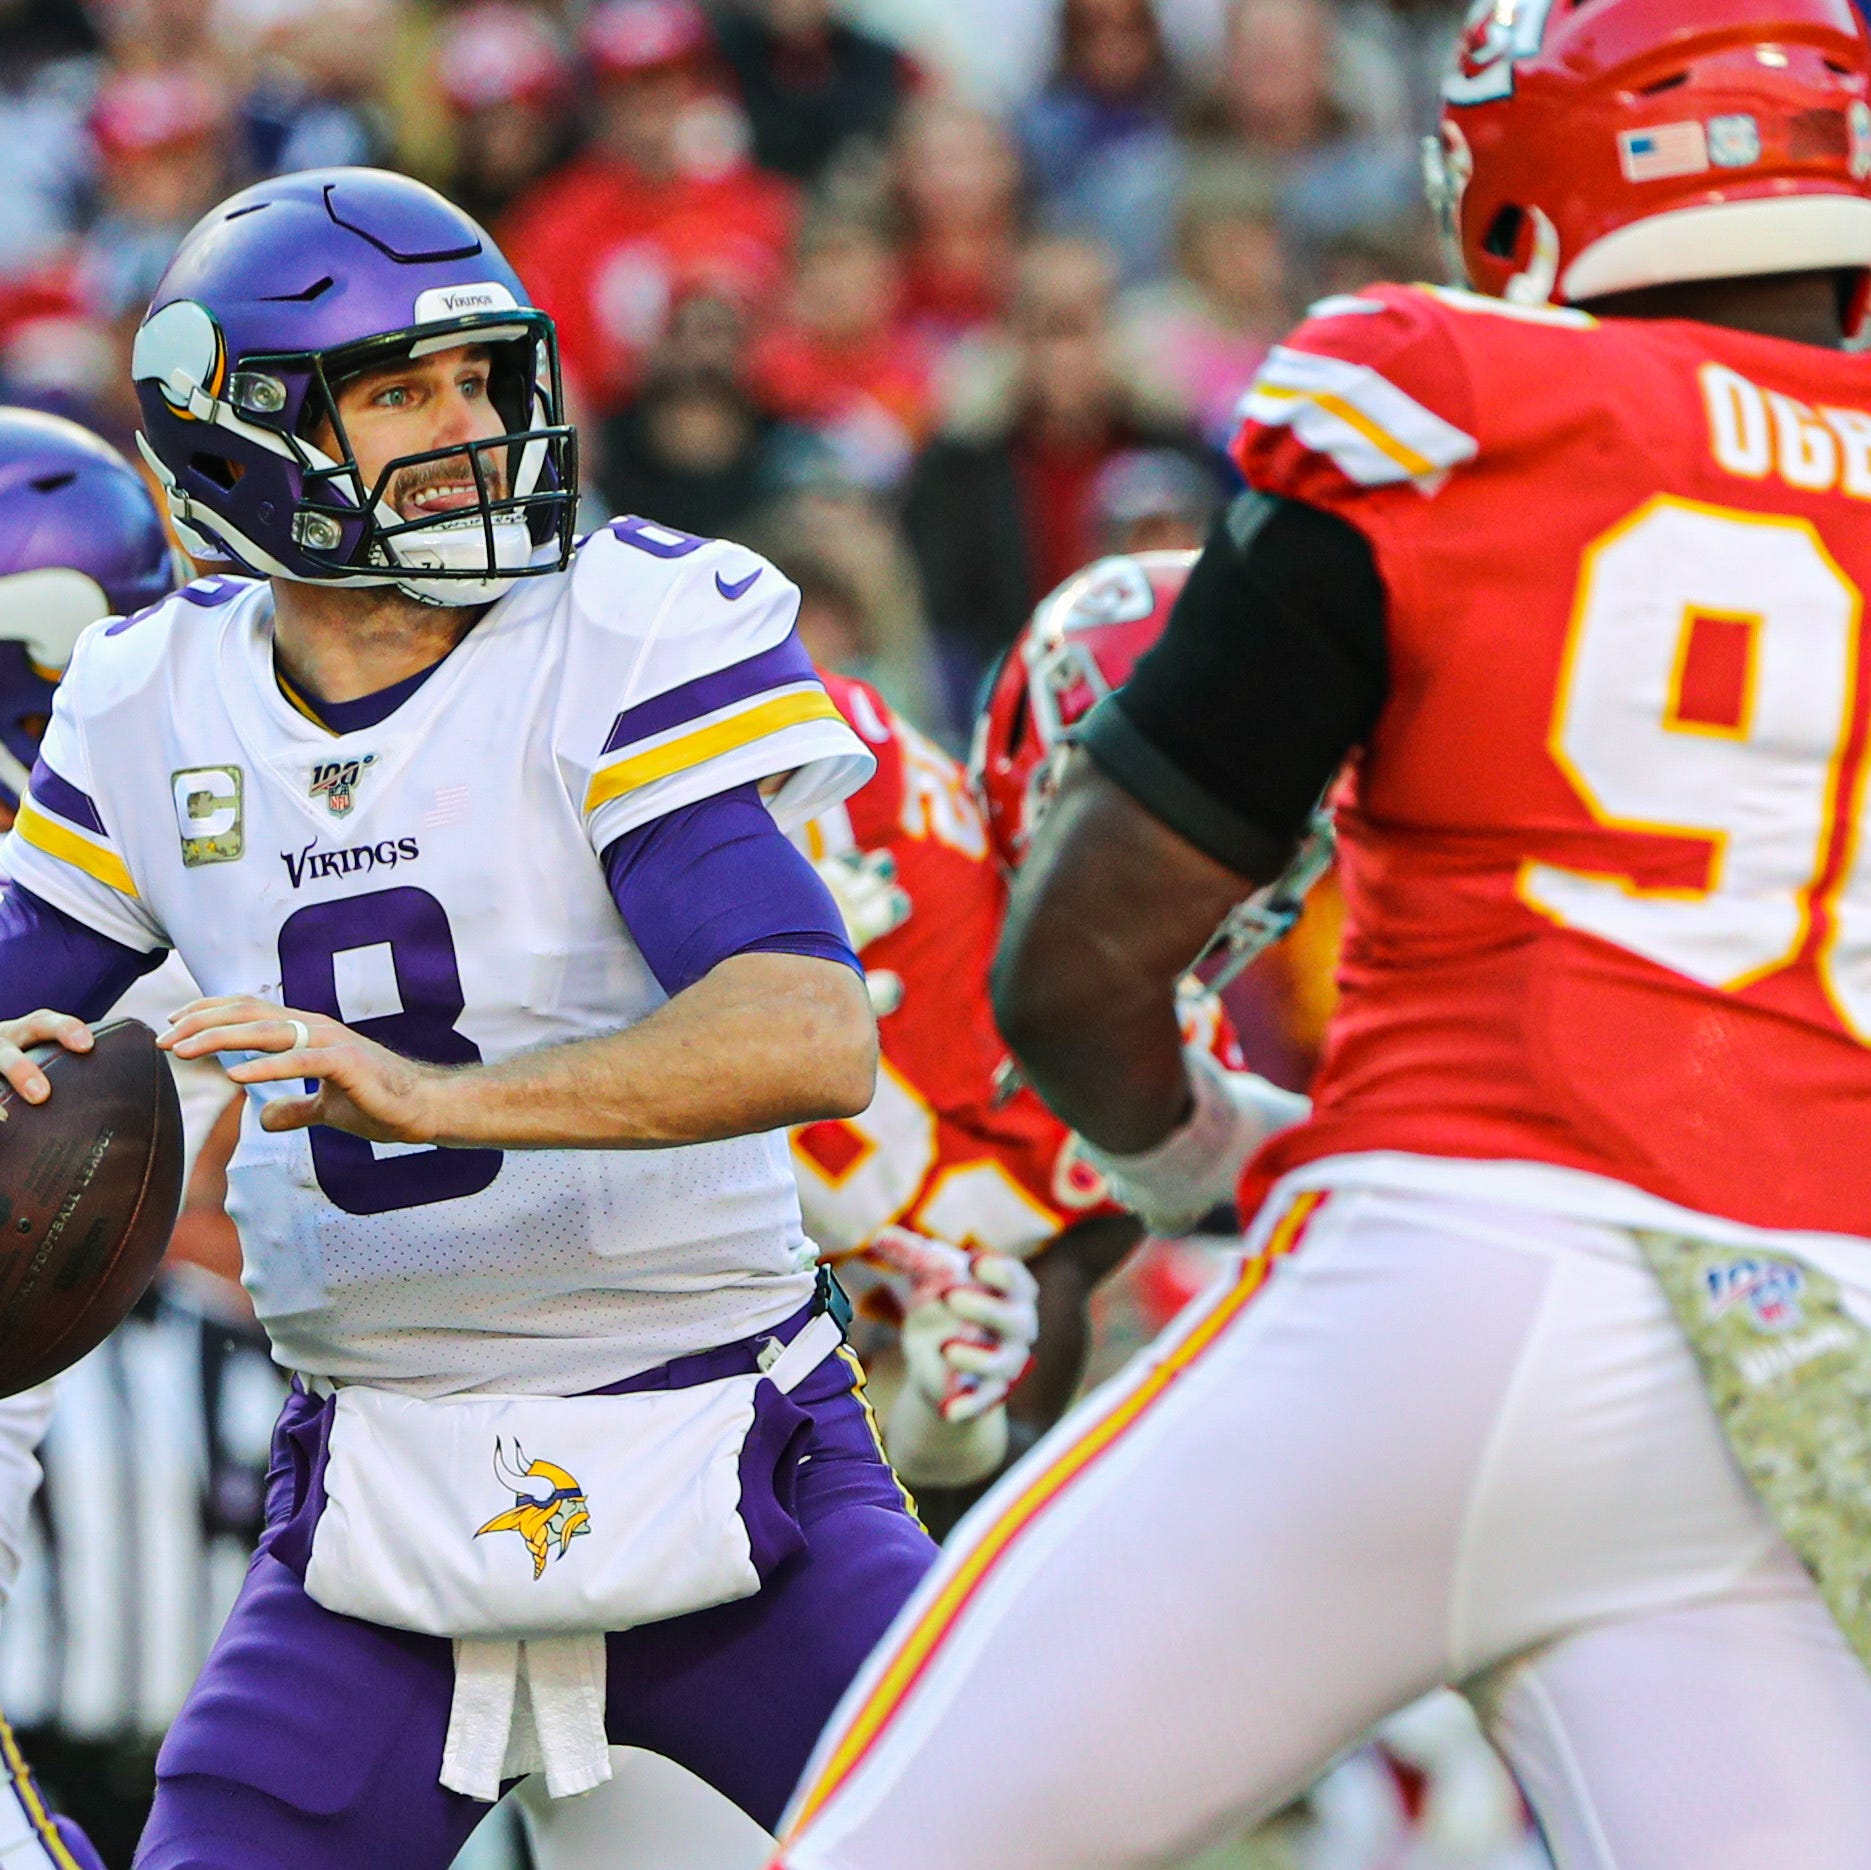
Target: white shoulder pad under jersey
(684, 676)
(66, 844)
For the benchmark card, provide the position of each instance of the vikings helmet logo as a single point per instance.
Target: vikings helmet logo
(548, 1505)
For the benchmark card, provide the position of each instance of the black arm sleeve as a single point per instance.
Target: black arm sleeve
(1271, 671)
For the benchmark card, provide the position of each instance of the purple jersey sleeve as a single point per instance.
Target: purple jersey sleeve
(50, 959)
(719, 878)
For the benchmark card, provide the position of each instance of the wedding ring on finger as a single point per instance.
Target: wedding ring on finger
(301, 1036)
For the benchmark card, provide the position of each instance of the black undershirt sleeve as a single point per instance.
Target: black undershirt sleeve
(1271, 671)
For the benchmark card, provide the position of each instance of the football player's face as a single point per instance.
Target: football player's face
(418, 406)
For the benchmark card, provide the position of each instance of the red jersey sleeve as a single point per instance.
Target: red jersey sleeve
(1367, 401)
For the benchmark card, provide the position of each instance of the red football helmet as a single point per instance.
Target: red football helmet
(1079, 645)
(1596, 146)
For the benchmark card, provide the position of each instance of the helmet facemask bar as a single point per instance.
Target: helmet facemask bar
(1058, 669)
(537, 473)
(1267, 917)
(1259, 922)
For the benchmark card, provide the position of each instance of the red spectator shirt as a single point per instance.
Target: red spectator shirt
(607, 252)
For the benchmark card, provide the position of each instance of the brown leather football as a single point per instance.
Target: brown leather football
(90, 1184)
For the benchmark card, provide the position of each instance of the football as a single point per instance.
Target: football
(90, 1184)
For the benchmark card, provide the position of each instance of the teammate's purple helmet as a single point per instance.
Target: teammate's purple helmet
(275, 298)
(80, 539)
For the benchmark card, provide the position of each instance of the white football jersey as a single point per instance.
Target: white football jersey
(435, 882)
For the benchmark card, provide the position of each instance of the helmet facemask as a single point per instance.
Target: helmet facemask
(345, 533)
(522, 477)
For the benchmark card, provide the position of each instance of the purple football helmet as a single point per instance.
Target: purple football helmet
(270, 303)
(80, 539)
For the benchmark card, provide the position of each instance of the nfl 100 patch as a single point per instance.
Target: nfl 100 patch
(210, 813)
(1734, 141)
(337, 781)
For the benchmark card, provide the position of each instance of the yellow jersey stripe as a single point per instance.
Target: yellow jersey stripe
(60, 841)
(1413, 464)
(707, 743)
(917, 1649)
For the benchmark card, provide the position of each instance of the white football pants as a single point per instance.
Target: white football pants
(1418, 1439)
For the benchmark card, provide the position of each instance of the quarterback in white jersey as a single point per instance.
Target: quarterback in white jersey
(433, 882)
(458, 825)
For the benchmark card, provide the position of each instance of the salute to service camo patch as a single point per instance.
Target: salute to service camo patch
(1789, 1371)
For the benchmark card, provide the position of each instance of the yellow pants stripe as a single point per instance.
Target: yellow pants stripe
(27, 1787)
(918, 1647)
(860, 1388)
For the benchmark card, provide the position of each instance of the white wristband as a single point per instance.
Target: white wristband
(1196, 1168)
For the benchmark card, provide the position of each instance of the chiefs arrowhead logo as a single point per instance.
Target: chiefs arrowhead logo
(1497, 34)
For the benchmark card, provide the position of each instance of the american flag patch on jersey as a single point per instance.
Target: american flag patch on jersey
(1664, 150)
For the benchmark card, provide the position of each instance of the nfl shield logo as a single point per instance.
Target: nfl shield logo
(336, 782)
(1770, 1289)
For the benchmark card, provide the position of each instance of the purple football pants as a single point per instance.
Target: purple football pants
(313, 1740)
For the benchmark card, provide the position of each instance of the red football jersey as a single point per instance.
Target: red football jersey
(946, 1148)
(1608, 901)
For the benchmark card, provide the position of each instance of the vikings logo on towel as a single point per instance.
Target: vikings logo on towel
(548, 1505)
(1770, 1289)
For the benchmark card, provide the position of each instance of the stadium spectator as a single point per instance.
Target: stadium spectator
(503, 71)
(318, 64)
(860, 607)
(665, 190)
(999, 507)
(694, 448)
(1153, 500)
(37, 33)
(1326, 113)
(842, 360)
(1196, 340)
(156, 35)
(1100, 139)
(163, 141)
(958, 188)
(47, 48)
(811, 83)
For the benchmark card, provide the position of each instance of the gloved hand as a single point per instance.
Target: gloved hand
(968, 1332)
(1195, 1169)
(864, 886)
(873, 904)
(969, 1321)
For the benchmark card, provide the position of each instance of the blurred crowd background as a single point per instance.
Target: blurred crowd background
(930, 299)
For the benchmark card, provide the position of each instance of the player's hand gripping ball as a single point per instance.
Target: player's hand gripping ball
(90, 1185)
